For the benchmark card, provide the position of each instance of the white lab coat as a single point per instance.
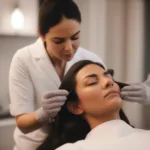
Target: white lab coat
(112, 135)
(31, 76)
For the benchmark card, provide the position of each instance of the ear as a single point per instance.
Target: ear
(75, 108)
(40, 35)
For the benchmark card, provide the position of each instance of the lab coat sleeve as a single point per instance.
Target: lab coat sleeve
(20, 86)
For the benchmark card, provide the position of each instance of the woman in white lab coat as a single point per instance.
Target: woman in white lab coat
(39, 68)
(90, 117)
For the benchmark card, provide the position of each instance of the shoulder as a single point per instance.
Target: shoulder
(24, 53)
(21, 59)
(142, 132)
(72, 146)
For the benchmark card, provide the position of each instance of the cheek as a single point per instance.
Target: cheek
(90, 97)
(54, 48)
(51, 45)
(76, 44)
(116, 86)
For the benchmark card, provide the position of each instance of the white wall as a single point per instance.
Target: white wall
(93, 25)
(114, 30)
(9, 44)
(135, 53)
(7, 127)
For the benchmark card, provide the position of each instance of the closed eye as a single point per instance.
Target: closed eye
(92, 83)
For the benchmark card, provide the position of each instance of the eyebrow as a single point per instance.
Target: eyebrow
(61, 38)
(95, 75)
(91, 76)
(107, 72)
(75, 33)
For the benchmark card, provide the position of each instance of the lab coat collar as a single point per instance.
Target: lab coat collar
(38, 50)
(41, 57)
(109, 129)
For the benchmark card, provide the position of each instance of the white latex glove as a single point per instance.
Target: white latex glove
(51, 105)
(139, 92)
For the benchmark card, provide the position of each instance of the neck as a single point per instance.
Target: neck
(57, 63)
(95, 121)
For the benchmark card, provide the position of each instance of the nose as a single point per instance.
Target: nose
(107, 83)
(68, 46)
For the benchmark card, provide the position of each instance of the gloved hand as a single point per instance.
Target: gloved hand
(139, 92)
(51, 105)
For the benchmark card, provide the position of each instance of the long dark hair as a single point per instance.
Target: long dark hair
(52, 12)
(67, 127)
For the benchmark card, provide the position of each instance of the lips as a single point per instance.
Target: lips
(111, 92)
(68, 55)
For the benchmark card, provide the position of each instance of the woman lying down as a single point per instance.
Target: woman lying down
(91, 119)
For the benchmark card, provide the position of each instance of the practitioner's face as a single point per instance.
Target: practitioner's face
(98, 93)
(62, 40)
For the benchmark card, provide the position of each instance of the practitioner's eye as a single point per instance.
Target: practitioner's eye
(58, 41)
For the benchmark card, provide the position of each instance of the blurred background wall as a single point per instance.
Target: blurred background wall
(117, 30)
(10, 40)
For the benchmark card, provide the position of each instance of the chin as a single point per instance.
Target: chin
(116, 101)
(68, 58)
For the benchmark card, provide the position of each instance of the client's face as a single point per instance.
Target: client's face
(98, 93)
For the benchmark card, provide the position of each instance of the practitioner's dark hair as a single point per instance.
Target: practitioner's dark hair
(69, 128)
(52, 12)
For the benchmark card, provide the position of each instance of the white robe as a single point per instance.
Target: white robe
(112, 135)
(31, 76)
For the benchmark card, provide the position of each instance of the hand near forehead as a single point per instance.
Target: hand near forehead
(138, 92)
